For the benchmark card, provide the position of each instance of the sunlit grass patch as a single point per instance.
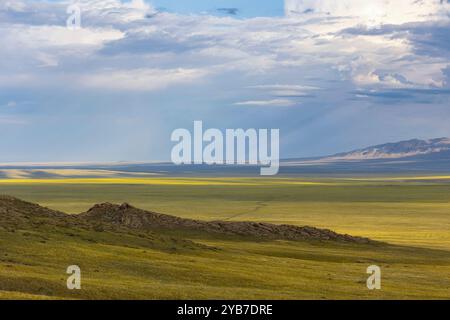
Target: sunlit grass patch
(125, 181)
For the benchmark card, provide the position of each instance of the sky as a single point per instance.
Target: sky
(331, 75)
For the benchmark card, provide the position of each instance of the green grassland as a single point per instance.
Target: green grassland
(412, 215)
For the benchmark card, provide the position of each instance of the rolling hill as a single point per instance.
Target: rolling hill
(15, 213)
(128, 253)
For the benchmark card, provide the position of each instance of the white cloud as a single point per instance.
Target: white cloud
(45, 36)
(141, 79)
(371, 12)
(322, 61)
(268, 103)
(47, 60)
(121, 47)
(14, 5)
(286, 90)
(107, 12)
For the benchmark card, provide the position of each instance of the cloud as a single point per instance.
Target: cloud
(286, 90)
(57, 37)
(446, 73)
(118, 36)
(268, 103)
(399, 96)
(426, 38)
(374, 12)
(13, 5)
(342, 60)
(100, 13)
(151, 39)
(229, 11)
(141, 79)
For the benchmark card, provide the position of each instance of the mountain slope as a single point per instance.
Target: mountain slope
(402, 149)
(405, 157)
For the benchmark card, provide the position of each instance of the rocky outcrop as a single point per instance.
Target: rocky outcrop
(130, 217)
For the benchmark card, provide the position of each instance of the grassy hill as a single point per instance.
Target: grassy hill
(130, 262)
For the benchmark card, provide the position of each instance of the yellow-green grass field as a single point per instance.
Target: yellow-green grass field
(411, 215)
(393, 209)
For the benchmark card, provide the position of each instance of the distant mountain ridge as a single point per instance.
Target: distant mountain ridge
(404, 157)
(396, 150)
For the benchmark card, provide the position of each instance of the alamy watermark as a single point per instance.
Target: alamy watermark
(235, 147)
(374, 280)
(73, 22)
(74, 280)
